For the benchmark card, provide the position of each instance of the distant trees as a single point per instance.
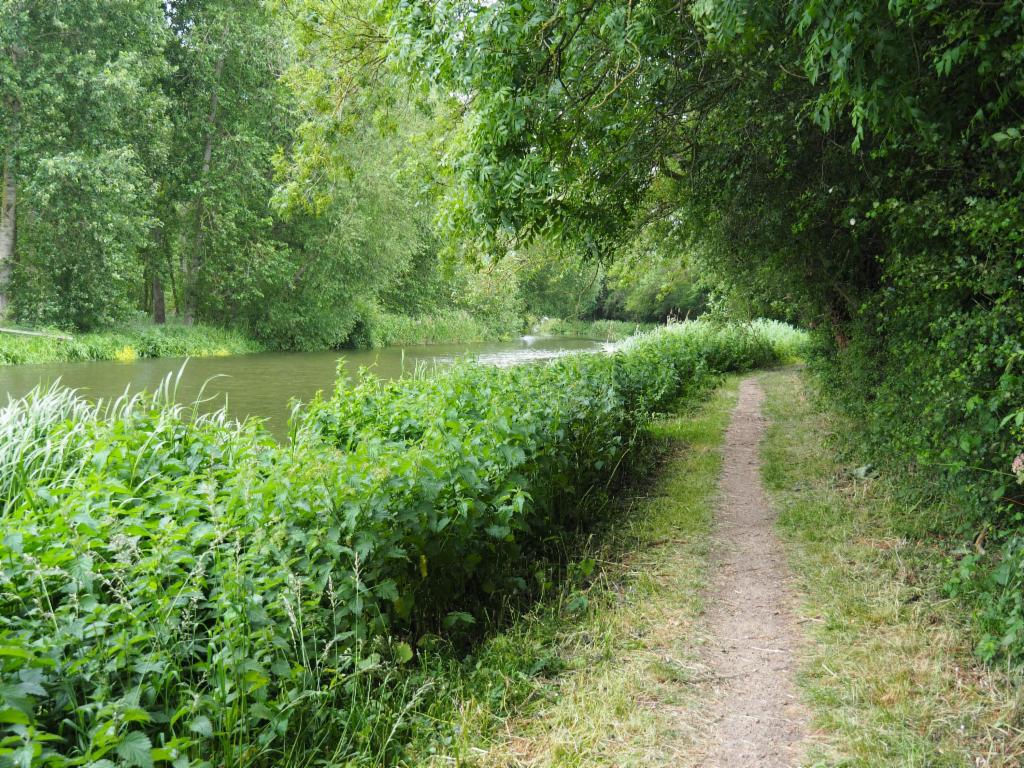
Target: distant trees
(146, 150)
(84, 124)
(272, 166)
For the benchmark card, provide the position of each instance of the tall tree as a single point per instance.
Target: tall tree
(8, 226)
(85, 120)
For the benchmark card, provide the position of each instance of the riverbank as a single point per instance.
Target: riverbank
(126, 345)
(443, 327)
(142, 341)
(606, 330)
(403, 523)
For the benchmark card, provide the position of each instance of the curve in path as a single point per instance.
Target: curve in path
(757, 720)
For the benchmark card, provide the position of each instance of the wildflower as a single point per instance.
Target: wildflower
(1018, 468)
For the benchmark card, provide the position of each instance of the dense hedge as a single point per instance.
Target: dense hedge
(184, 589)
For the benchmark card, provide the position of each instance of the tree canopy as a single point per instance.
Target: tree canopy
(854, 166)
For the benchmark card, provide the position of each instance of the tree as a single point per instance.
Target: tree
(85, 121)
(856, 166)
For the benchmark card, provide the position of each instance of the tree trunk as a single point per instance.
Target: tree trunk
(195, 260)
(8, 222)
(159, 305)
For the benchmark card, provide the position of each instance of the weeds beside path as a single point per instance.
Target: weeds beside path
(626, 693)
(889, 672)
(885, 674)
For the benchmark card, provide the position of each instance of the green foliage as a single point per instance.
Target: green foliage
(84, 122)
(556, 280)
(180, 589)
(184, 154)
(651, 280)
(92, 202)
(855, 167)
(127, 344)
(439, 327)
(609, 330)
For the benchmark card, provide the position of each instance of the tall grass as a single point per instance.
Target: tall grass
(181, 589)
(439, 327)
(127, 344)
(606, 330)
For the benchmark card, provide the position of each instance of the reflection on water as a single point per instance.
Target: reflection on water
(262, 385)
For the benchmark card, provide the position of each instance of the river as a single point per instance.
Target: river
(261, 385)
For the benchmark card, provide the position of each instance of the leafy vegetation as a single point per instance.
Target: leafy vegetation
(889, 667)
(436, 328)
(212, 160)
(609, 330)
(181, 589)
(854, 167)
(318, 173)
(619, 628)
(130, 343)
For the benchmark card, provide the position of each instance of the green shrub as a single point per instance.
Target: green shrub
(182, 589)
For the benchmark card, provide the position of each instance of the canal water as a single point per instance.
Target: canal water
(262, 384)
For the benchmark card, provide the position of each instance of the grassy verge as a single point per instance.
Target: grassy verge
(443, 327)
(140, 341)
(127, 344)
(595, 675)
(301, 604)
(609, 330)
(890, 675)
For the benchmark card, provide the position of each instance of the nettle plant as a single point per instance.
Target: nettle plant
(181, 589)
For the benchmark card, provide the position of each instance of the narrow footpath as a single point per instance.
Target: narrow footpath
(756, 718)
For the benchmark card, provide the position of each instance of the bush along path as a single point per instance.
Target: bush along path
(183, 590)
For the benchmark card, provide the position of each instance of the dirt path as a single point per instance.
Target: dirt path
(756, 718)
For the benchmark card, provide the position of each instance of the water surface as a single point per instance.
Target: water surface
(262, 384)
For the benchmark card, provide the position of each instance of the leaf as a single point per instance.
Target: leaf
(403, 653)
(456, 618)
(136, 715)
(13, 716)
(498, 531)
(202, 726)
(136, 749)
(577, 604)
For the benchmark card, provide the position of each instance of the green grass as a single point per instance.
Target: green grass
(440, 327)
(127, 344)
(596, 674)
(889, 673)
